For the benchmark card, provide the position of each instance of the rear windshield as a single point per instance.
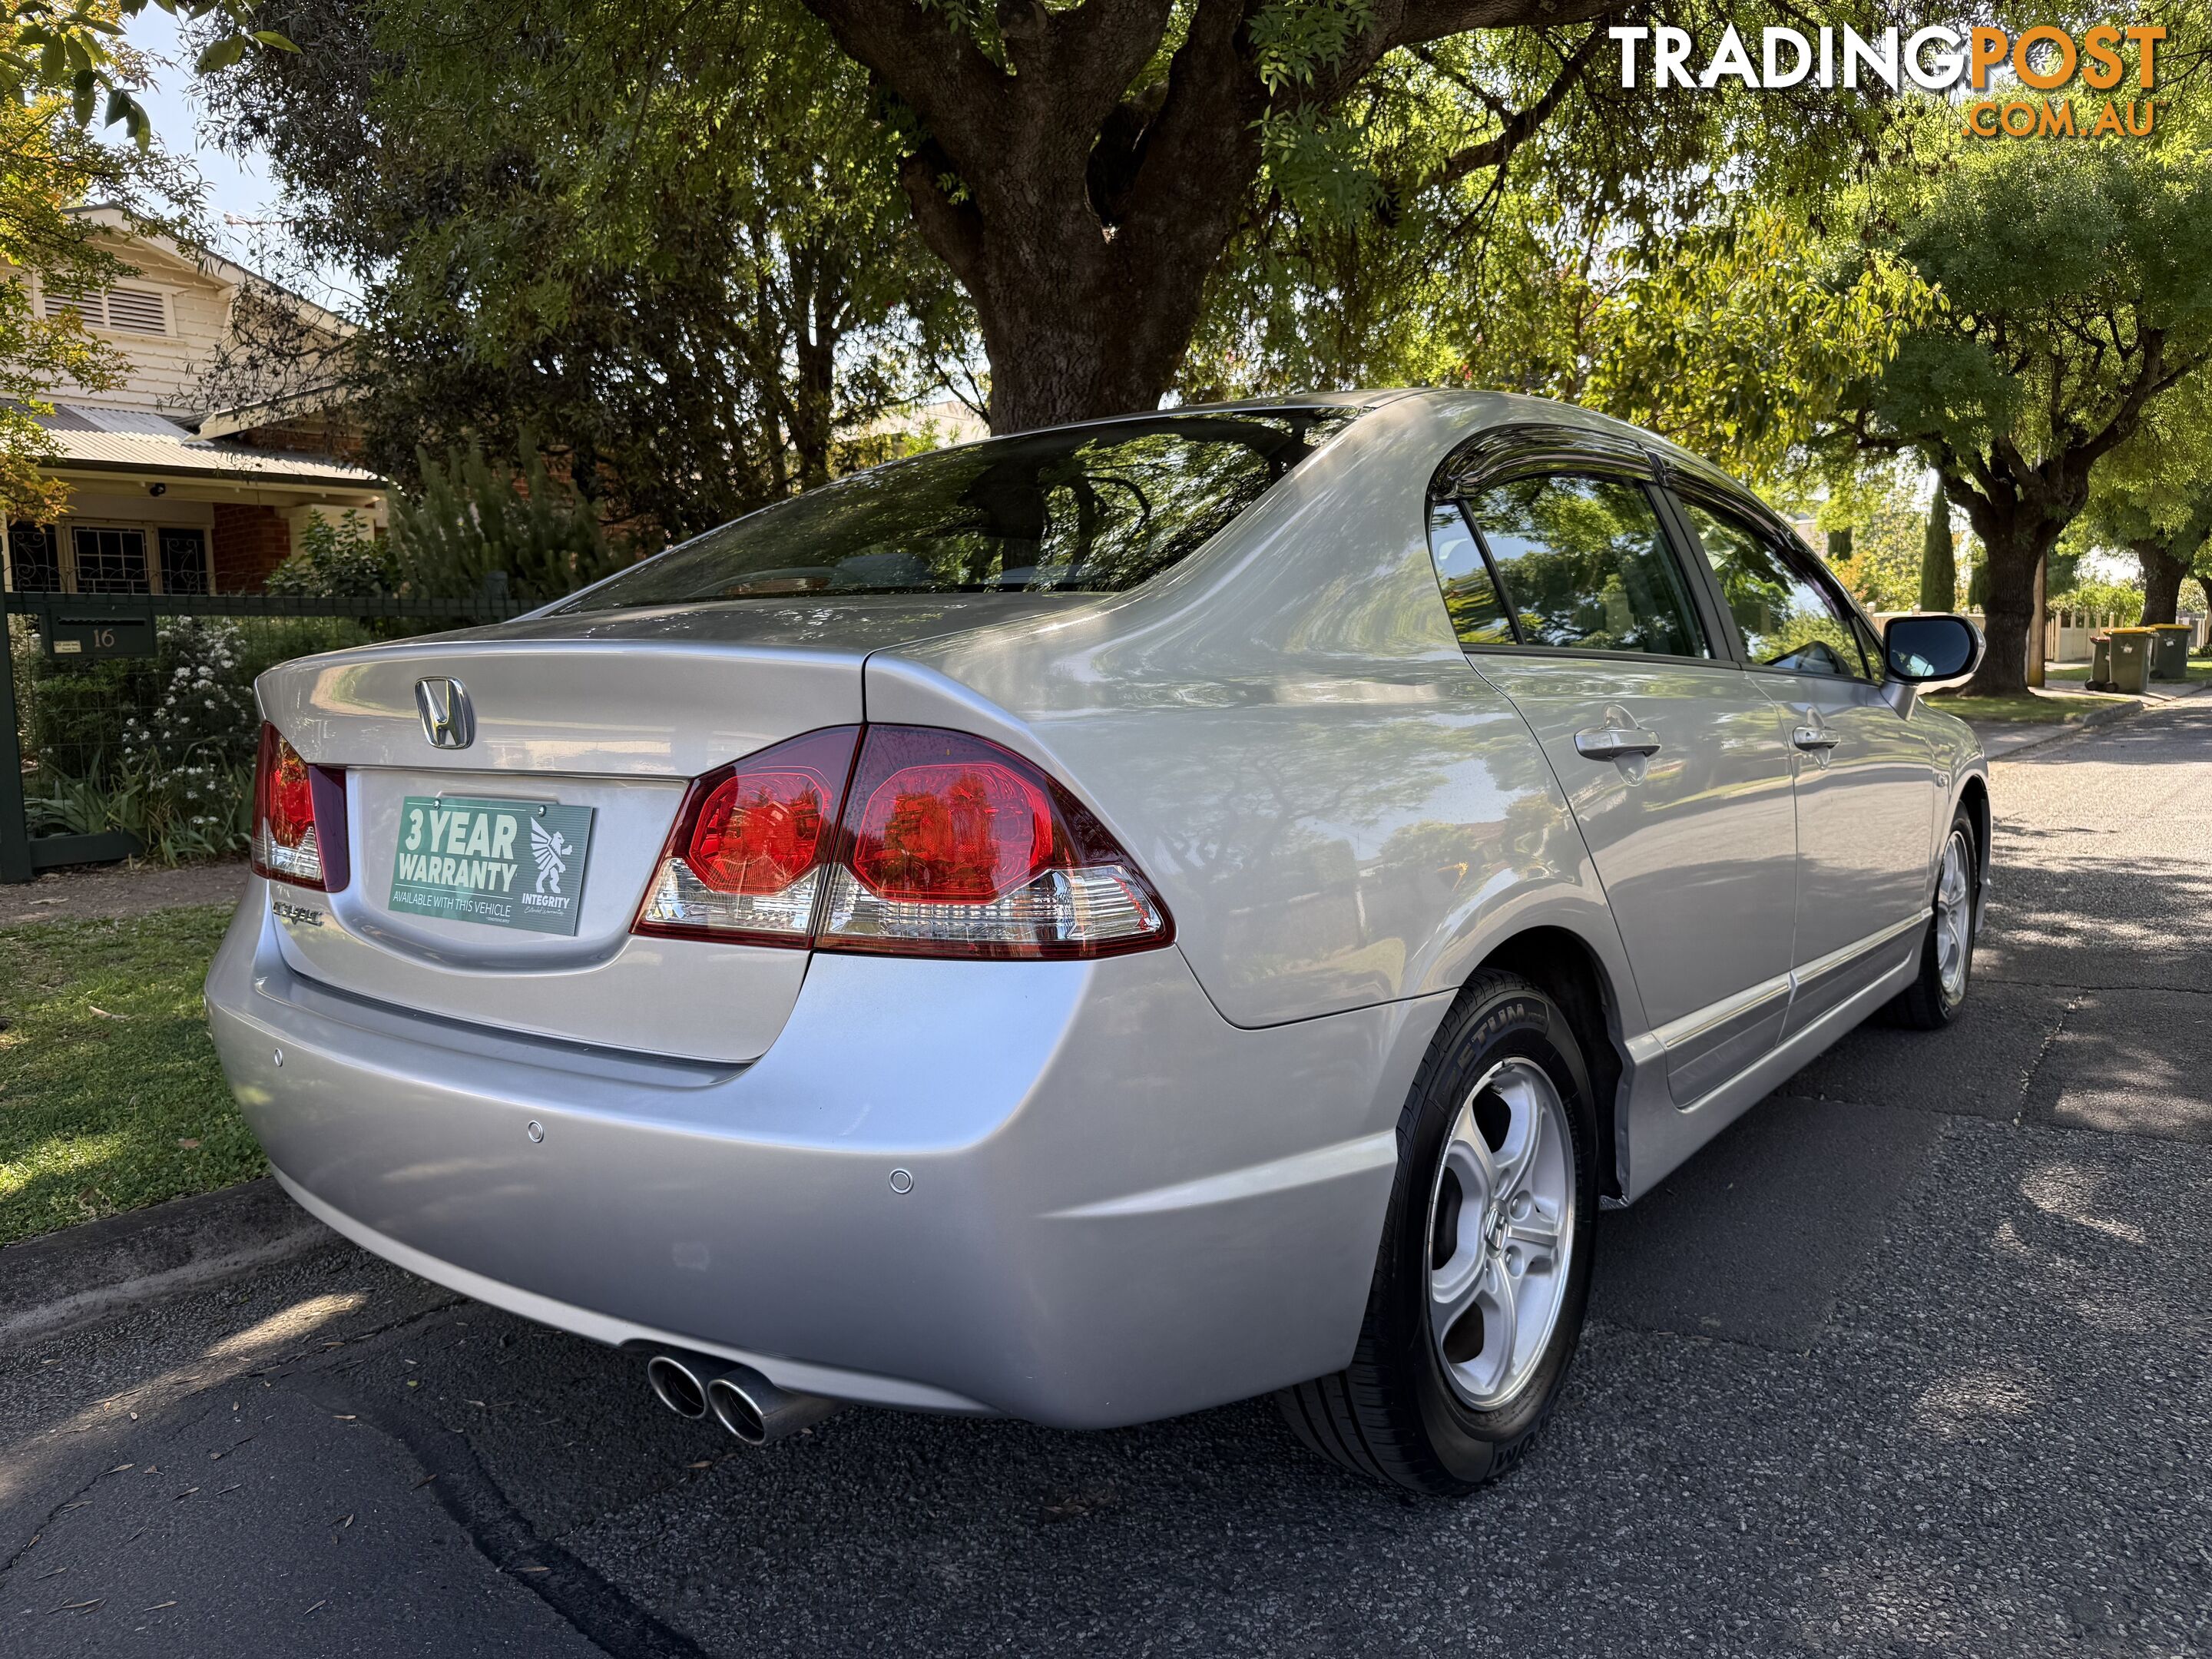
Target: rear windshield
(1078, 509)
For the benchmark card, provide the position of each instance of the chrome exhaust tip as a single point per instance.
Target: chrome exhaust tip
(760, 1413)
(678, 1384)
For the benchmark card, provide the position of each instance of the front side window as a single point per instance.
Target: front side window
(1085, 509)
(1586, 567)
(1788, 620)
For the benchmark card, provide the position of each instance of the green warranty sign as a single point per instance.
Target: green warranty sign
(508, 863)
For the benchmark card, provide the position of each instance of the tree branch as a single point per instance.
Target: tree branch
(1515, 130)
(959, 91)
(1433, 19)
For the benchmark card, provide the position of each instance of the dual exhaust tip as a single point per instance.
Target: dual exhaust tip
(742, 1400)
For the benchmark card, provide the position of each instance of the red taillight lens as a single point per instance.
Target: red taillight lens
(298, 817)
(943, 844)
(954, 845)
(944, 826)
(745, 859)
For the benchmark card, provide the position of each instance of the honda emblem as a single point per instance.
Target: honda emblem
(447, 719)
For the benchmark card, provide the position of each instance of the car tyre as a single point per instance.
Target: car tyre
(1947, 954)
(1470, 1331)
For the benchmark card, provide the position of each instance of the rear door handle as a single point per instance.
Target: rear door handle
(1613, 742)
(1815, 737)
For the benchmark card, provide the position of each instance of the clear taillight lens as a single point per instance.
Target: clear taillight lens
(746, 860)
(954, 845)
(941, 844)
(298, 817)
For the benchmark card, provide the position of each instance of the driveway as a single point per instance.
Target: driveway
(1916, 1359)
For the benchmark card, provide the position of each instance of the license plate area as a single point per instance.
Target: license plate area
(514, 864)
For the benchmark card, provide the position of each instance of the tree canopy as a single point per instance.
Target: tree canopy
(679, 257)
(2076, 280)
(2152, 496)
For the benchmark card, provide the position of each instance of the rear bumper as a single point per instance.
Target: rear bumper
(1121, 1207)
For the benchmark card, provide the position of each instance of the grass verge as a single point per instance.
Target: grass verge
(2200, 669)
(2028, 708)
(110, 1097)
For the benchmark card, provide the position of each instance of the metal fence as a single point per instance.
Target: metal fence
(126, 717)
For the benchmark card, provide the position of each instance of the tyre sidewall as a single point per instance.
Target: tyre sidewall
(1472, 1445)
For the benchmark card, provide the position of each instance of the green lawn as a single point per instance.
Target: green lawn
(2027, 707)
(110, 1097)
(2200, 668)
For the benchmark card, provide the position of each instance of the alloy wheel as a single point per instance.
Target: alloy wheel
(1501, 1230)
(1954, 916)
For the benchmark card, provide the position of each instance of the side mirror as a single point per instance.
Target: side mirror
(1923, 648)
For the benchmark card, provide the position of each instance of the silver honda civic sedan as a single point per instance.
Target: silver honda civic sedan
(1097, 923)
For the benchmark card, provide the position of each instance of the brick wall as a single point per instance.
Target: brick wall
(250, 542)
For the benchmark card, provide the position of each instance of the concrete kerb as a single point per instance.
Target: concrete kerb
(2002, 740)
(86, 1273)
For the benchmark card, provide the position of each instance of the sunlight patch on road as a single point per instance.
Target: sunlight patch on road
(2061, 1190)
(21, 1467)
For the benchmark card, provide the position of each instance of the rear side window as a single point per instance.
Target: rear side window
(1788, 618)
(1478, 613)
(1090, 509)
(1584, 566)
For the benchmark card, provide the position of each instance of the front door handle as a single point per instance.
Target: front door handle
(1815, 737)
(1615, 742)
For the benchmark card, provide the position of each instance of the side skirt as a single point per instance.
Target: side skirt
(1661, 1135)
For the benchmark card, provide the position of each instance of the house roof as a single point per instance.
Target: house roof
(209, 264)
(89, 439)
(273, 412)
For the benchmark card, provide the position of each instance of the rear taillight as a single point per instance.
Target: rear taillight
(745, 862)
(298, 817)
(942, 844)
(953, 846)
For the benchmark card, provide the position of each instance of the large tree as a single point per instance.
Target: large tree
(2078, 282)
(2153, 497)
(1082, 168)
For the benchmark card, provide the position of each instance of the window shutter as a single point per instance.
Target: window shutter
(85, 305)
(137, 309)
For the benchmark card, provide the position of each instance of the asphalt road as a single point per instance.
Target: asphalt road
(1916, 1360)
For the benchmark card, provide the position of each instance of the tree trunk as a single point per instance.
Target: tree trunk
(1077, 332)
(1082, 198)
(2162, 576)
(1939, 565)
(2013, 550)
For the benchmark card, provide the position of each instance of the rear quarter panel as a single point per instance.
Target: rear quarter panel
(1282, 731)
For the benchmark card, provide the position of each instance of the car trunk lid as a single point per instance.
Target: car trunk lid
(587, 731)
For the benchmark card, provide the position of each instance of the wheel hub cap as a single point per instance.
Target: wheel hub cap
(1501, 1227)
(1954, 916)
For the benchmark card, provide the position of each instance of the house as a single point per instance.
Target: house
(167, 495)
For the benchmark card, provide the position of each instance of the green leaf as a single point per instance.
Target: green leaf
(270, 38)
(220, 54)
(81, 97)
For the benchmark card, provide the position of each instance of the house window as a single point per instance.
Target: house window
(183, 561)
(125, 310)
(35, 559)
(110, 561)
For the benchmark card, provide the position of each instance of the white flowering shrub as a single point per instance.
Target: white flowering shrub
(203, 715)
